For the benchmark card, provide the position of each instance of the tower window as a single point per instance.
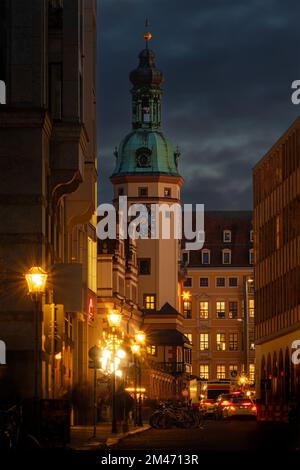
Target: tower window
(143, 192)
(144, 265)
(167, 192)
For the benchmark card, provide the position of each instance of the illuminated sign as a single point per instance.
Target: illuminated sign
(91, 309)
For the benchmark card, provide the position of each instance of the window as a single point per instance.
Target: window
(187, 309)
(190, 337)
(205, 255)
(204, 371)
(167, 192)
(233, 370)
(233, 309)
(252, 372)
(251, 256)
(233, 282)
(221, 372)
(143, 192)
(251, 308)
(226, 257)
(221, 342)
(92, 264)
(220, 281)
(233, 341)
(203, 310)
(144, 266)
(203, 281)
(251, 236)
(227, 236)
(204, 342)
(149, 301)
(220, 307)
(187, 282)
(152, 350)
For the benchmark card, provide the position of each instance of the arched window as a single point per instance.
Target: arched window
(2, 92)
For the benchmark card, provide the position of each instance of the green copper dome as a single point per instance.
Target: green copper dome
(145, 152)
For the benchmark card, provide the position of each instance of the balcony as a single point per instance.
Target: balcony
(173, 368)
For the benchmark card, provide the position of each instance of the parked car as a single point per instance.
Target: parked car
(207, 407)
(239, 406)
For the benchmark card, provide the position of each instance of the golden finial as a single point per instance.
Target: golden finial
(147, 35)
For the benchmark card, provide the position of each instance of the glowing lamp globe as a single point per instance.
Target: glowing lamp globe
(36, 279)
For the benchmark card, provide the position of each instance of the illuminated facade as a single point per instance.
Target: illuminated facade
(276, 179)
(217, 300)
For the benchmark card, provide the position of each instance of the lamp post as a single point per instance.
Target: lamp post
(36, 279)
(114, 319)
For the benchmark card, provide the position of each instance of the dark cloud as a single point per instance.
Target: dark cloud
(228, 69)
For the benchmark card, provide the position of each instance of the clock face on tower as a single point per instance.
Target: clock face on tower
(143, 158)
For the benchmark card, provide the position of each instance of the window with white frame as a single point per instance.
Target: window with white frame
(227, 236)
(226, 256)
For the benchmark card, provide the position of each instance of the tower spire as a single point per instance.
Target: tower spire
(147, 35)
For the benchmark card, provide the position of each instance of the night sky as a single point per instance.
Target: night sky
(228, 68)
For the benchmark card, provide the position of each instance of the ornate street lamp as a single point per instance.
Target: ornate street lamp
(114, 320)
(36, 279)
(136, 348)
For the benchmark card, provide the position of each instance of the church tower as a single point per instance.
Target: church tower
(146, 171)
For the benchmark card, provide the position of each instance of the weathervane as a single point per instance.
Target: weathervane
(147, 34)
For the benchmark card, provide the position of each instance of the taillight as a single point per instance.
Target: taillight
(254, 408)
(246, 404)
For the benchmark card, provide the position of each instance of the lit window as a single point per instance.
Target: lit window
(220, 281)
(221, 342)
(233, 282)
(252, 372)
(251, 308)
(204, 371)
(220, 307)
(203, 281)
(187, 282)
(233, 370)
(92, 264)
(204, 342)
(203, 310)
(190, 337)
(251, 256)
(226, 236)
(233, 341)
(205, 254)
(187, 309)
(233, 310)
(221, 372)
(226, 257)
(152, 350)
(149, 301)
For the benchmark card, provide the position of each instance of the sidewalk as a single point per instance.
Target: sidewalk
(82, 436)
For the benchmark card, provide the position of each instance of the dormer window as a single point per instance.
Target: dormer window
(205, 255)
(226, 257)
(227, 236)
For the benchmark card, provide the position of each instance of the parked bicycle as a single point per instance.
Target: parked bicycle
(12, 432)
(171, 414)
